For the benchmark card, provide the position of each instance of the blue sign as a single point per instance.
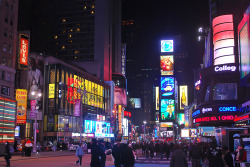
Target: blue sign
(167, 46)
(167, 109)
(225, 109)
(196, 113)
(167, 86)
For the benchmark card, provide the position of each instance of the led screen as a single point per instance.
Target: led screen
(135, 102)
(167, 45)
(157, 98)
(167, 86)
(167, 109)
(244, 51)
(90, 126)
(192, 133)
(183, 97)
(184, 133)
(181, 119)
(17, 131)
(167, 65)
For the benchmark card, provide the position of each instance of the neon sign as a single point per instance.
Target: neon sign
(215, 118)
(23, 51)
(196, 113)
(224, 68)
(167, 46)
(223, 109)
(241, 118)
(204, 110)
(197, 83)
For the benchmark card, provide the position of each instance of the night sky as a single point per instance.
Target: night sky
(160, 19)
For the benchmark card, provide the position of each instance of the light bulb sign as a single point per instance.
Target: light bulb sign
(215, 118)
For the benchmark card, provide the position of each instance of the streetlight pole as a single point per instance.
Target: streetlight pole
(144, 122)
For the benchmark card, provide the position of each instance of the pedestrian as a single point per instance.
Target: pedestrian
(23, 142)
(95, 154)
(161, 150)
(79, 154)
(227, 157)
(214, 155)
(116, 153)
(54, 145)
(241, 155)
(167, 150)
(28, 148)
(178, 158)
(15, 146)
(196, 155)
(127, 156)
(151, 149)
(103, 155)
(7, 155)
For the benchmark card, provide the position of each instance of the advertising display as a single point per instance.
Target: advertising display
(125, 127)
(188, 133)
(192, 133)
(167, 65)
(167, 109)
(127, 114)
(21, 98)
(183, 97)
(90, 126)
(120, 118)
(244, 51)
(32, 108)
(100, 129)
(166, 125)
(23, 52)
(181, 119)
(77, 108)
(51, 91)
(215, 118)
(17, 131)
(157, 98)
(167, 86)
(206, 131)
(135, 102)
(120, 96)
(223, 40)
(167, 45)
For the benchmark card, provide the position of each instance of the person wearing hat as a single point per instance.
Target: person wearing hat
(116, 153)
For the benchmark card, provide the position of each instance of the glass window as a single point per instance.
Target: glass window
(61, 123)
(225, 91)
(52, 76)
(207, 94)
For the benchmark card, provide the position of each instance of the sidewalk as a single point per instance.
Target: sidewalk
(40, 155)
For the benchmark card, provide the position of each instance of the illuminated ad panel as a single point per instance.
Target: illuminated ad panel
(244, 51)
(183, 97)
(167, 65)
(135, 102)
(167, 86)
(167, 45)
(223, 40)
(181, 119)
(167, 109)
(157, 97)
(23, 51)
(21, 98)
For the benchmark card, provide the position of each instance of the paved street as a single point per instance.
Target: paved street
(68, 159)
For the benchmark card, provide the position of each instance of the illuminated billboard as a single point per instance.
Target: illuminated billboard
(23, 51)
(188, 133)
(183, 97)
(223, 40)
(167, 109)
(90, 126)
(167, 65)
(244, 51)
(181, 119)
(167, 86)
(167, 45)
(157, 101)
(135, 102)
(21, 98)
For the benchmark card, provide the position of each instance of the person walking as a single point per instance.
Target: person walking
(103, 155)
(178, 158)
(79, 154)
(95, 154)
(116, 153)
(214, 155)
(15, 146)
(161, 150)
(23, 142)
(127, 156)
(196, 155)
(167, 150)
(54, 145)
(151, 149)
(7, 155)
(227, 157)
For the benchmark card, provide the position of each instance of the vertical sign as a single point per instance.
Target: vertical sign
(157, 101)
(32, 108)
(124, 60)
(23, 51)
(120, 118)
(51, 91)
(183, 97)
(21, 98)
(77, 111)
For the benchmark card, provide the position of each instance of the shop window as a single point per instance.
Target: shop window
(207, 94)
(61, 123)
(225, 91)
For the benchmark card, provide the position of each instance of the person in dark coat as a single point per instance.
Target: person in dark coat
(7, 155)
(161, 150)
(214, 155)
(15, 146)
(227, 157)
(178, 158)
(151, 149)
(167, 150)
(95, 154)
(116, 153)
(196, 155)
(127, 156)
(103, 155)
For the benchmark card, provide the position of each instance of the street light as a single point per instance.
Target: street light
(144, 122)
(37, 95)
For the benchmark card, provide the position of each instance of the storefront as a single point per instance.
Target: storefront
(7, 121)
(71, 97)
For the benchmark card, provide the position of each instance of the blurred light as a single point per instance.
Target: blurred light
(144, 122)
(199, 38)
(39, 94)
(200, 30)
(33, 93)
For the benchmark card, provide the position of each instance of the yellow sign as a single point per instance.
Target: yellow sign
(51, 91)
(21, 98)
(183, 97)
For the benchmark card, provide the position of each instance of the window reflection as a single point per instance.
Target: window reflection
(225, 91)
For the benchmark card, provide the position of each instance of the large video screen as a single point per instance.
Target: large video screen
(135, 102)
(167, 109)
(167, 86)
(167, 65)
(244, 51)
(167, 45)
(181, 119)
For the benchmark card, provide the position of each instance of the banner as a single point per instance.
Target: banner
(77, 111)
(32, 108)
(51, 91)
(21, 98)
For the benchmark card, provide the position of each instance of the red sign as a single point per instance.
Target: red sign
(215, 118)
(126, 113)
(241, 118)
(23, 51)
